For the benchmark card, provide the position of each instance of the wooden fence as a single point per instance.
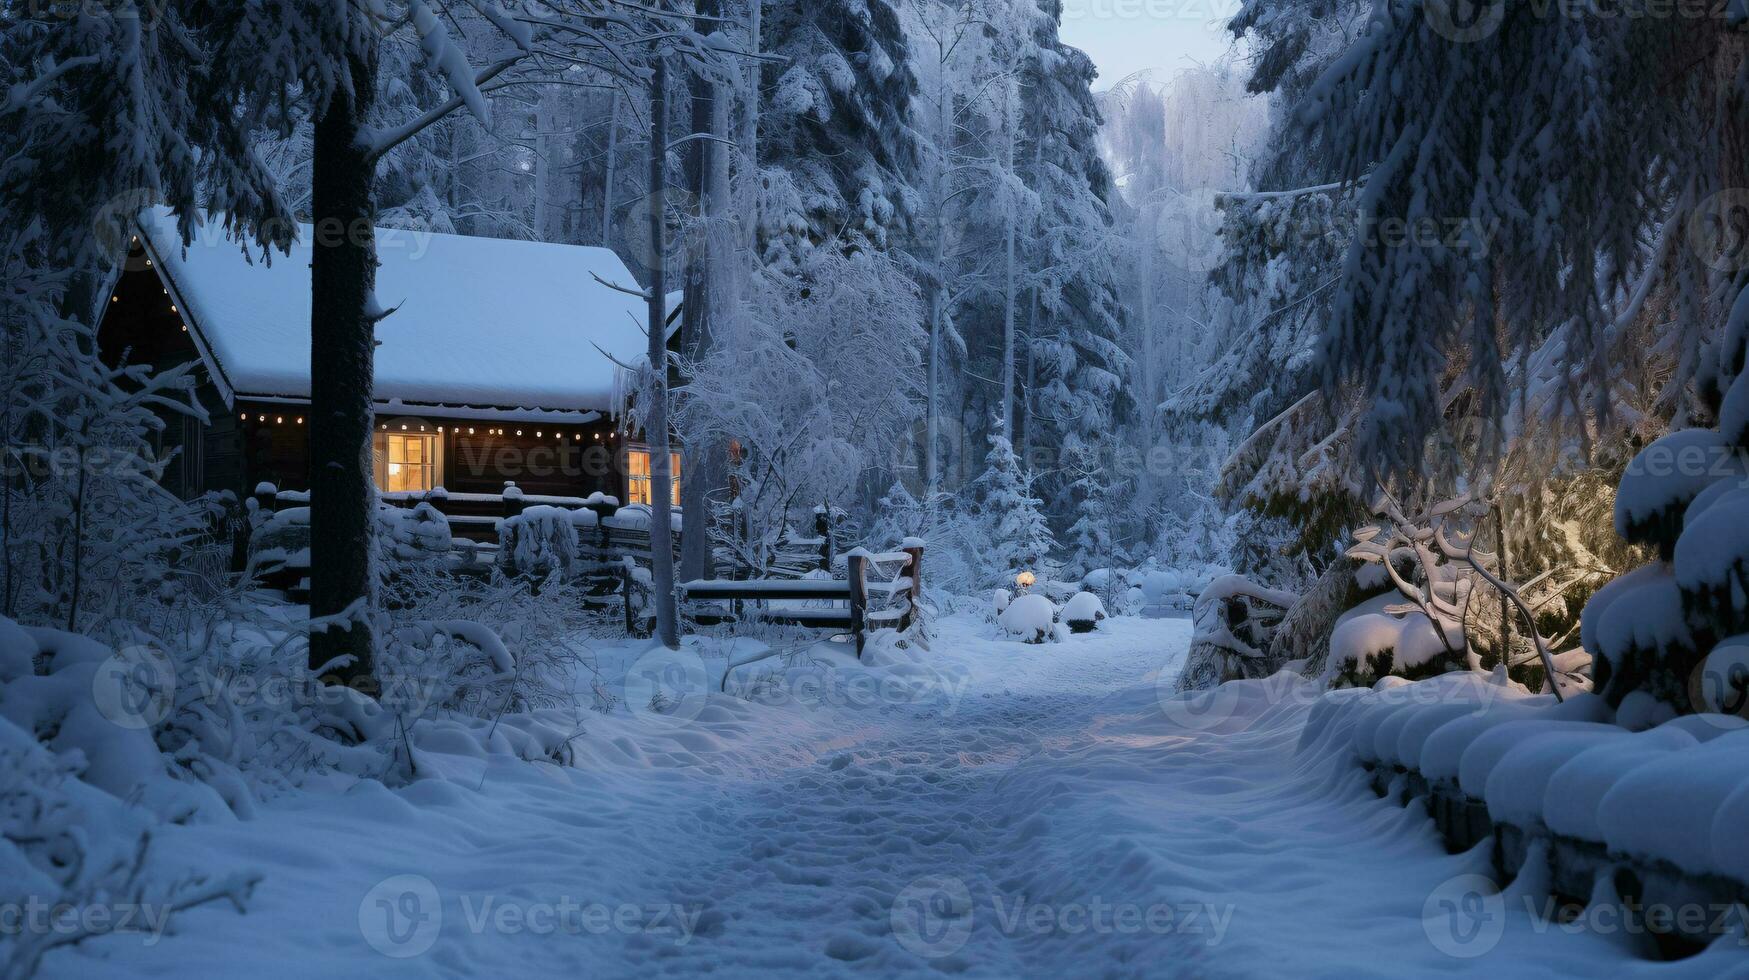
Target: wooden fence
(878, 591)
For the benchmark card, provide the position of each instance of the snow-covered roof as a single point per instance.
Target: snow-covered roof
(478, 323)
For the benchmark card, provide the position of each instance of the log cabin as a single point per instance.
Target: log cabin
(500, 364)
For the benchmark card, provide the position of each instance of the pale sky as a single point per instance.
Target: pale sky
(1127, 36)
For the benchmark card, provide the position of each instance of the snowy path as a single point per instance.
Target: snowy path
(1036, 812)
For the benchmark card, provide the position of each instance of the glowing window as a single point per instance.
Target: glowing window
(638, 477)
(406, 462)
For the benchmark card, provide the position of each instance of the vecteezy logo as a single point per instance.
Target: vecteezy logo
(932, 916)
(135, 688)
(1718, 230)
(1464, 917)
(667, 687)
(1195, 711)
(401, 917)
(1187, 229)
(1464, 21)
(1720, 684)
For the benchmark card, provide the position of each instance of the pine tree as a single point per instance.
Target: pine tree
(837, 146)
(1021, 539)
(1090, 537)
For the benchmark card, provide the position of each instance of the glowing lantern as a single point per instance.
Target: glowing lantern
(1025, 580)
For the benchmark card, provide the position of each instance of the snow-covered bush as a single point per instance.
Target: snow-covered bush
(1029, 618)
(413, 535)
(70, 847)
(1386, 637)
(1083, 613)
(1653, 629)
(539, 543)
(1234, 620)
(1304, 633)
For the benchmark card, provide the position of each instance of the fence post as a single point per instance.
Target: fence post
(914, 548)
(266, 498)
(823, 531)
(625, 574)
(513, 503)
(857, 563)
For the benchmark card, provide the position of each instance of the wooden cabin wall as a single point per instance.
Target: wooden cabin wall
(141, 326)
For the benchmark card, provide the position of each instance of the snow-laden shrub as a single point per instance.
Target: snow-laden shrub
(1083, 613)
(280, 539)
(539, 543)
(413, 535)
(1636, 628)
(1304, 633)
(68, 846)
(1234, 620)
(1652, 629)
(1029, 618)
(1384, 637)
(1711, 561)
(1666, 477)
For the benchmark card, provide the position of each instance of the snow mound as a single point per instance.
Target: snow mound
(1031, 618)
(1083, 612)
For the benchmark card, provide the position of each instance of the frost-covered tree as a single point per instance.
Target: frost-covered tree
(837, 145)
(1020, 538)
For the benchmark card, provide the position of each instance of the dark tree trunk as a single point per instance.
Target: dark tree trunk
(703, 177)
(656, 418)
(342, 352)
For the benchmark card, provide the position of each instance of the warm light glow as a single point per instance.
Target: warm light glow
(1025, 580)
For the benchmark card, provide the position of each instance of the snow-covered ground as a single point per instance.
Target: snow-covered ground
(992, 809)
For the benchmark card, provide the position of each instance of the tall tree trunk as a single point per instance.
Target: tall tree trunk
(704, 174)
(656, 418)
(612, 171)
(78, 545)
(939, 286)
(750, 130)
(343, 271)
(1011, 219)
(1031, 379)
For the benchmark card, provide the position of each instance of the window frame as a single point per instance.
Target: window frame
(401, 432)
(636, 480)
